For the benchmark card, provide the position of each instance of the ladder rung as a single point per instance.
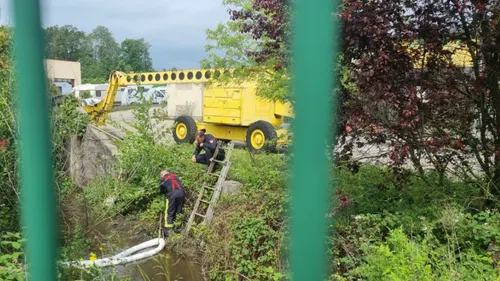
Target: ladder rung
(200, 215)
(208, 187)
(227, 164)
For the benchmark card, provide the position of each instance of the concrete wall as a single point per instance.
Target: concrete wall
(60, 69)
(185, 99)
(91, 156)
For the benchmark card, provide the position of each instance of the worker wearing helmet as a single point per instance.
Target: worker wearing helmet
(172, 188)
(209, 144)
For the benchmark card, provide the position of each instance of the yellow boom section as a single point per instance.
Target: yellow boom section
(460, 53)
(99, 111)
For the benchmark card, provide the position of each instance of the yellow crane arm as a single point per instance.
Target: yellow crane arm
(99, 111)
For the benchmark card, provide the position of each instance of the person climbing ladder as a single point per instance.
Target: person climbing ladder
(208, 143)
(172, 188)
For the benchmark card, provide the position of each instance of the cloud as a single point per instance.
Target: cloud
(179, 56)
(174, 28)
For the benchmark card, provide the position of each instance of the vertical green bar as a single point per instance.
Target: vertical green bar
(313, 51)
(38, 201)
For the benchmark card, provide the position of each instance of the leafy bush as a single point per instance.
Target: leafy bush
(400, 258)
(66, 122)
(252, 223)
(453, 246)
(11, 257)
(9, 193)
(85, 95)
(253, 248)
(397, 259)
(253, 235)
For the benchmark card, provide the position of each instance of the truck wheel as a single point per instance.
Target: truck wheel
(259, 135)
(184, 130)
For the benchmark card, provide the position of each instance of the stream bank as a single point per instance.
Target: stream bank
(113, 235)
(90, 158)
(118, 209)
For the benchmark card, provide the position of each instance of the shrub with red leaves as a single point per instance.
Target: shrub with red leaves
(3, 144)
(441, 114)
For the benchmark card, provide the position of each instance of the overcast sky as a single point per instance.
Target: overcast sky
(174, 28)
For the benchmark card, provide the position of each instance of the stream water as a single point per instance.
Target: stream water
(162, 268)
(166, 266)
(115, 235)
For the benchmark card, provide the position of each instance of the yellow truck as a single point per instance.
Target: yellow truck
(230, 112)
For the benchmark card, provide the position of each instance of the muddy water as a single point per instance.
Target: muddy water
(166, 266)
(115, 235)
(162, 268)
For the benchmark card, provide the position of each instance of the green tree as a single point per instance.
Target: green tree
(253, 43)
(105, 53)
(67, 43)
(135, 55)
(98, 52)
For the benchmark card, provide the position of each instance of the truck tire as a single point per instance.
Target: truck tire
(259, 136)
(184, 129)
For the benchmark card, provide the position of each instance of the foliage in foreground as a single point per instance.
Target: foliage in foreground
(66, 122)
(376, 220)
(11, 257)
(374, 224)
(420, 232)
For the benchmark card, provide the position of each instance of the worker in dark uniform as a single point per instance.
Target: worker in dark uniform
(208, 143)
(172, 188)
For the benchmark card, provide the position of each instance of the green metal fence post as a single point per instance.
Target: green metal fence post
(38, 200)
(313, 51)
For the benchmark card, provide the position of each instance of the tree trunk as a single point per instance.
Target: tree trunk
(492, 80)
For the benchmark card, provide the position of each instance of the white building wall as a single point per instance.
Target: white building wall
(61, 69)
(185, 99)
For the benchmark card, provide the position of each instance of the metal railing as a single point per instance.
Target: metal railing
(313, 50)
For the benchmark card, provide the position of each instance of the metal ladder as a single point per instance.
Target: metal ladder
(204, 204)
